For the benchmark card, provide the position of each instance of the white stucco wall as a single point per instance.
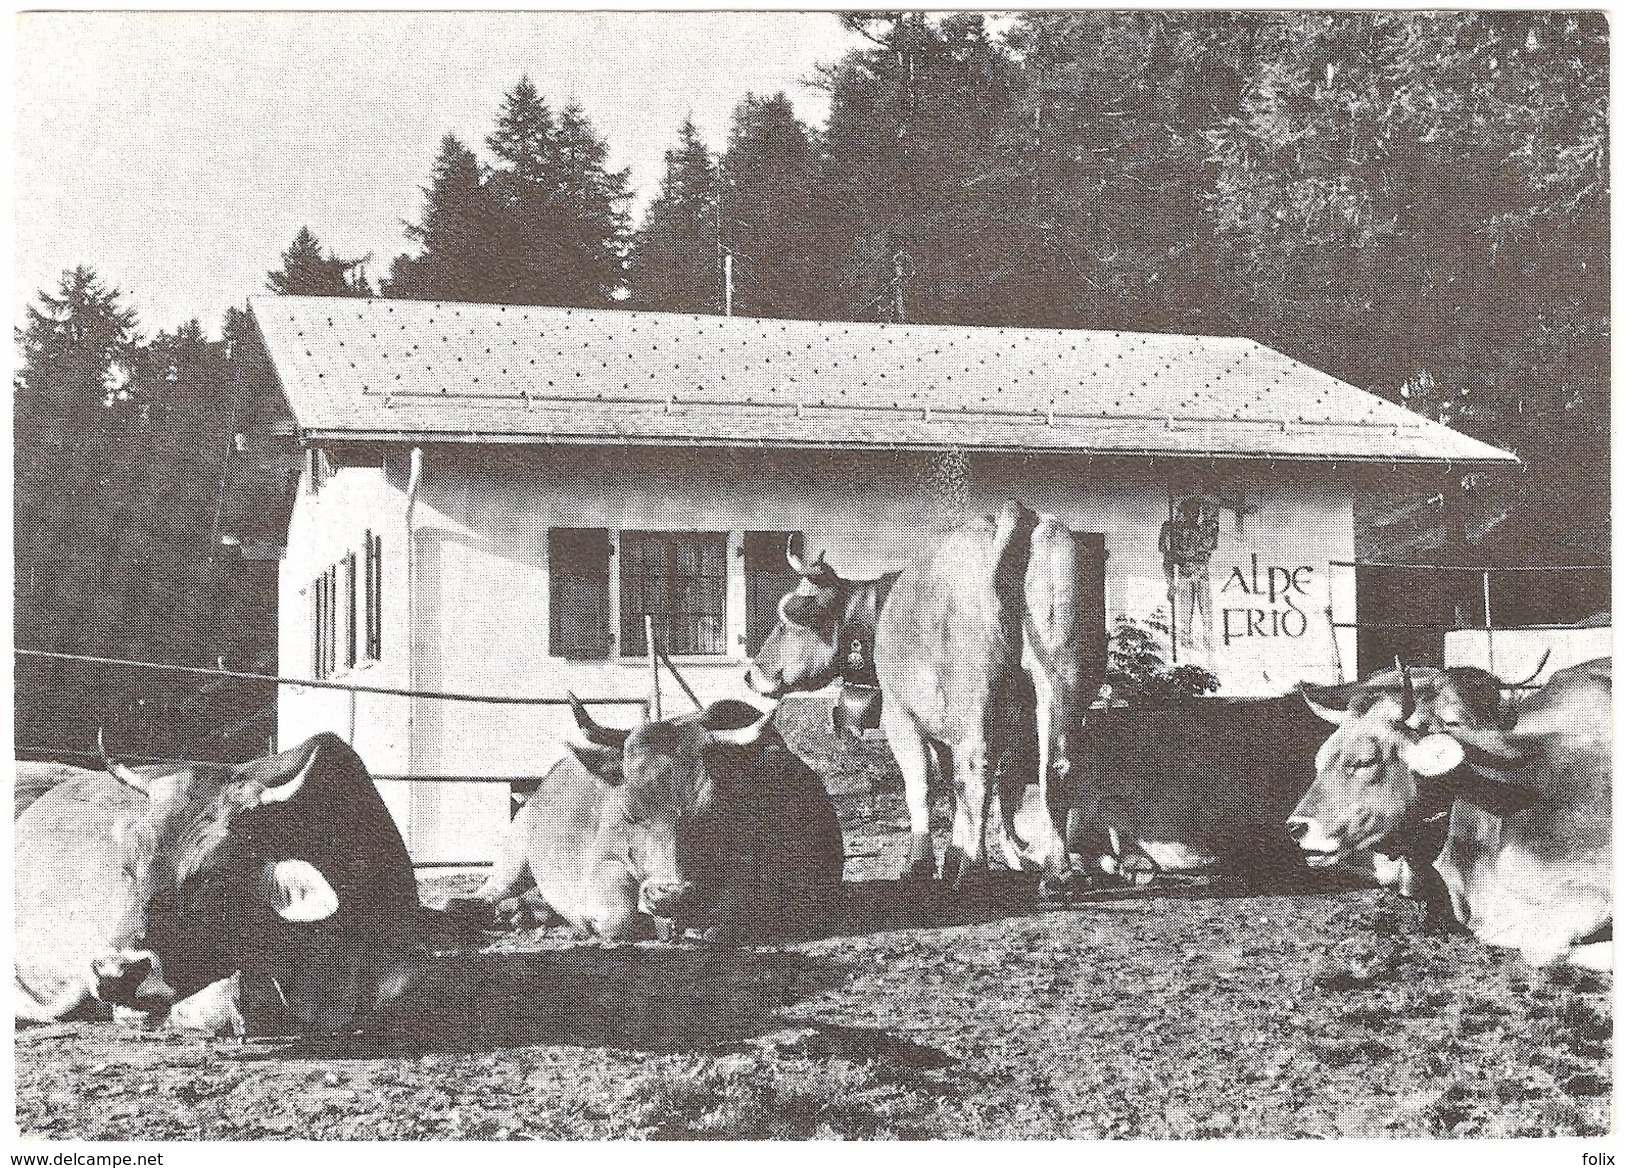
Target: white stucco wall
(1513, 654)
(483, 515)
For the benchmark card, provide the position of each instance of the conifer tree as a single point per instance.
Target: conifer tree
(778, 217)
(674, 265)
(560, 219)
(457, 234)
(308, 271)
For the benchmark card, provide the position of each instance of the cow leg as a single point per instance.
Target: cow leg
(1422, 882)
(913, 758)
(967, 854)
(611, 908)
(1047, 850)
(1014, 770)
(509, 878)
(1011, 846)
(214, 1009)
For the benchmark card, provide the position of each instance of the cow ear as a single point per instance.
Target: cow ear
(602, 761)
(810, 610)
(1433, 756)
(296, 891)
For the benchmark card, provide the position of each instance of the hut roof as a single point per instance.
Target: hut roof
(403, 370)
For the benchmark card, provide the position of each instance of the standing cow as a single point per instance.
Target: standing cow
(1006, 615)
(141, 887)
(705, 820)
(1527, 862)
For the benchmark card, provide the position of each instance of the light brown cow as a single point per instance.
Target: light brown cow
(1002, 625)
(141, 887)
(1528, 858)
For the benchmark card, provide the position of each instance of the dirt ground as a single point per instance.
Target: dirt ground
(1195, 1011)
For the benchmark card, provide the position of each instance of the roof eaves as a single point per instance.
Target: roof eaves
(527, 438)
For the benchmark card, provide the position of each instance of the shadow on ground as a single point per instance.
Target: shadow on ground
(644, 997)
(879, 906)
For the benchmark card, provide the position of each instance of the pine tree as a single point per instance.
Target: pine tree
(79, 352)
(596, 199)
(307, 271)
(457, 234)
(778, 217)
(560, 223)
(674, 265)
(525, 141)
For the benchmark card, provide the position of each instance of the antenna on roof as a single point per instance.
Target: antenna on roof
(725, 255)
(902, 267)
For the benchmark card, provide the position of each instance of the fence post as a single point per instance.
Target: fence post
(1489, 623)
(654, 660)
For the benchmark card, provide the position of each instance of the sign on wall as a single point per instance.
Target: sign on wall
(1243, 590)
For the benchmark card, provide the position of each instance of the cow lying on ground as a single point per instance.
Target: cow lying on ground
(1194, 787)
(143, 887)
(707, 821)
(998, 617)
(1528, 858)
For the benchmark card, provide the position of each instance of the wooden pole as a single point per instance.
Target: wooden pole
(654, 661)
(1489, 625)
(687, 689)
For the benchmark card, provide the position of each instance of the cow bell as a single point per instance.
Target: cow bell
(857, 709)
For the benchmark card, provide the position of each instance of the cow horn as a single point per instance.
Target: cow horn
(131, 779)
(746, 735)
(1407, 699)
(1544, 657)
(596, 735)
(283, 792)
(793, 556)
(1325, 713)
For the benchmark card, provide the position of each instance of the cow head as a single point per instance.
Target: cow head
(243, 865)
(803, 652)
(676, 786)
(1407, 744)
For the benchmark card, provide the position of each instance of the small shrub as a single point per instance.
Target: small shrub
(1137, 668)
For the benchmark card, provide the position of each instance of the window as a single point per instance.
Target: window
(679, 578)
(374, 577)
(324, 605)
(767, 579)
(347, 583)
(345, 608)
(578, 588)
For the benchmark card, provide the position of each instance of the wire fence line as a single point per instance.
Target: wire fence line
(311, 683)
(54, 753)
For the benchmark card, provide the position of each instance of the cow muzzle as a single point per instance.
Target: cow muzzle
(1319, 848)
(132, 978)
(677, 899)
(757, 681)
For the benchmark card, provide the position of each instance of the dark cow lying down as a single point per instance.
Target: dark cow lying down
(1196, 786)
(142, 887)
(706, 821)
(1528, 787)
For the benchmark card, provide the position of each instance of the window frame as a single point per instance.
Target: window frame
(675, 586)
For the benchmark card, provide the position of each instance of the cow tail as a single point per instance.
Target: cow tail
(1012, 551)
